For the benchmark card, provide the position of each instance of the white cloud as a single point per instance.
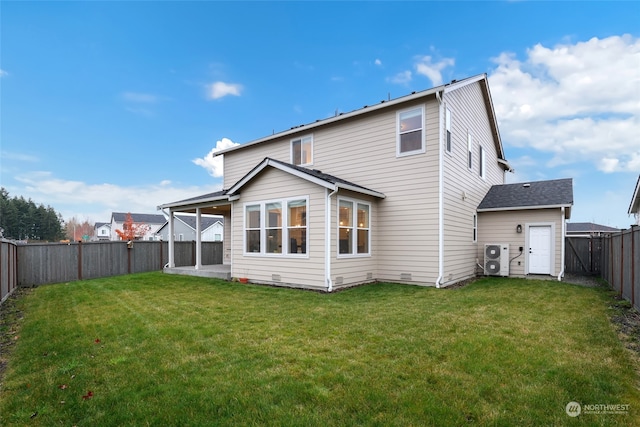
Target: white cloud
(219, 90)
(97, 201)
(580, 102)
(403, 77)
(3, 73)
(426, 66)
(377, 62)
(214, 164)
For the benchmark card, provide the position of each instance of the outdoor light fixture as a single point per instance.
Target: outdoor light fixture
(518, 228)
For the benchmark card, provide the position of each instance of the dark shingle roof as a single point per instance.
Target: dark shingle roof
(557, 192)
(589, 227)
(320, 175)
(138, 217)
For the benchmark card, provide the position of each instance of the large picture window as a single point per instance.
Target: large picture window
(302, 151)
(276, 227)
(410, 131)
(354, 227)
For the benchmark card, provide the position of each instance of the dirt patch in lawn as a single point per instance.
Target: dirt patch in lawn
(10, 320)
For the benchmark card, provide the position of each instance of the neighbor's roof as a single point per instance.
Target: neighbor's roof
(313, 175)
(102, 224)
(445, 88)
(530, 195)
(589, 227)
(207, 221)
(138, 217)
(634, 207)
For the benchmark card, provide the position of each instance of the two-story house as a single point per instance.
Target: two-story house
(388, 192)
(102, 231)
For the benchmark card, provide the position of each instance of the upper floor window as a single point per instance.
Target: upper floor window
(448, 129)
(410, 138)
(481, 161)
(302, 151)
(469, 152)
(354, 227)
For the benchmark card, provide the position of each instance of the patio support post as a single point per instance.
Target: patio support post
(198, 239)
(172, 261)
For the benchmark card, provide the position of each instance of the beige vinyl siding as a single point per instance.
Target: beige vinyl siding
(500, 227)
(308, 272)
(353, 270)
(363, 150)
(464, 188)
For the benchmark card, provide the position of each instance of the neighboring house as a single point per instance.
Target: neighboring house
(634, 207)
(154, 221)
(388, 192)
(589, 229)
(185, 228)
(102, 231)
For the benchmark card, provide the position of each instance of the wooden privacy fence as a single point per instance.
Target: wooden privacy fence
(39, 264)
(621, 263)
(583, 255)
(8, 268)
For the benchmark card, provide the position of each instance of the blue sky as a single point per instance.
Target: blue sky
(116, 106)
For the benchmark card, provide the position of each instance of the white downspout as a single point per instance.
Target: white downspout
(327, 240)
(561, 275)
(440, 197)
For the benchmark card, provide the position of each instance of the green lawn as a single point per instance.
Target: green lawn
(169, 350)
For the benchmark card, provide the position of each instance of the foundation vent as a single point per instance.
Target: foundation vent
(405, 276)
(339, 280)
(276, 277)
(369, 276)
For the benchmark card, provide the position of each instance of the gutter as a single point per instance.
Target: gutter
(327, 242)
(440, 196)
(564, 232)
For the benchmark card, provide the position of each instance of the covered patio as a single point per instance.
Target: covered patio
(217, 203)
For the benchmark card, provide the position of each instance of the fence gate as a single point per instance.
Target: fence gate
(583, 255)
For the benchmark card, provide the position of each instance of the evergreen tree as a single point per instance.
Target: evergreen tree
(22, 219)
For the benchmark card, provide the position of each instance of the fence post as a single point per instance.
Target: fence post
(161, 254)
(79, 259)
(621, 263)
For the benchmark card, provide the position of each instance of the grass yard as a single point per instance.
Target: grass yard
(166, 350)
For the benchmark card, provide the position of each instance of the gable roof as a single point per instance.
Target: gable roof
(317, 177)
(555, 193)
(634, 207)
(384, 104)
(589, 227)
(102, 224)
(138, 217)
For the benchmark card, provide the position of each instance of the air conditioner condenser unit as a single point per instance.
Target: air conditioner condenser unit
(496, 259)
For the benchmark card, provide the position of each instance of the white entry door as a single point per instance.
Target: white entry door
(540, 249)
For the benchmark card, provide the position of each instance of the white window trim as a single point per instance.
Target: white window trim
(301, 139)
(354, 243)
(482, 159)
(263, 229)
(422, 133)
(475, 228)
(469, 158)
(448, 135)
